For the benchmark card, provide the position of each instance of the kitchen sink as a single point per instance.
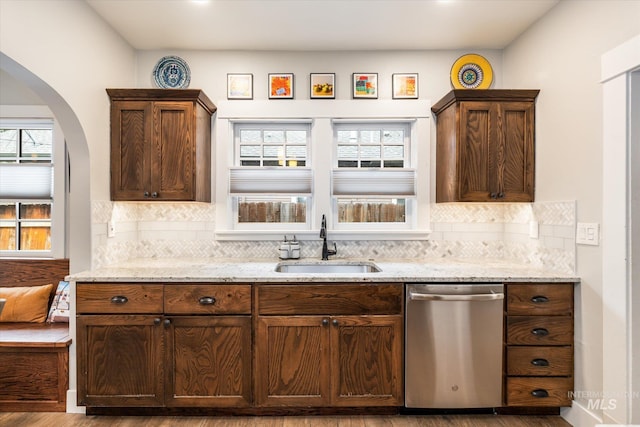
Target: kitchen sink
(327, 267)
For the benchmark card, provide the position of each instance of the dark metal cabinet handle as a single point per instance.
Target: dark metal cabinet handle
(493, 195)
(325, 322)
(540, 332)
(335, 322)
(119, 299)
(167, 323)
(154, 195)
(146, 194)
(539, 299)
(207, 301)
(501, 195)
(540, 362)
(156, 321)
(540, 393)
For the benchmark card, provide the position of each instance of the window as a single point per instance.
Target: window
(28, 215)
(281, 166)
(271, 182)
(372, 180)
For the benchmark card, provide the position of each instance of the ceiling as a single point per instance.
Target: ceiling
(320, 24)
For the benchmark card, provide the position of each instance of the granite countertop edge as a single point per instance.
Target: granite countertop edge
(207, 270)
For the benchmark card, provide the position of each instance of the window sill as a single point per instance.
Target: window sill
(333, 235)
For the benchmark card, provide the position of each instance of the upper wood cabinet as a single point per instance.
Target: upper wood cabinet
(160, 144)
(485, 146)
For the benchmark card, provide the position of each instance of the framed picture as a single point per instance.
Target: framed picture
(405, 86)
(239, 86)
(365, 85)
(322, 85)
(281, 86)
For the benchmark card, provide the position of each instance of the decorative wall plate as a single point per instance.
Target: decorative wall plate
(172, 72)
(471, 72)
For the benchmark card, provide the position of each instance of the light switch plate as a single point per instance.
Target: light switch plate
(588, 233)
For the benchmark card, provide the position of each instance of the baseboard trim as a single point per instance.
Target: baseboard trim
(72, 406)
(579, 416)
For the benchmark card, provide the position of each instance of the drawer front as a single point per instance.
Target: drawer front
(334, 299)
(539, 330)
(539, 391)
(119, 298)
(540, 361)
(540, 299)
(207, 299)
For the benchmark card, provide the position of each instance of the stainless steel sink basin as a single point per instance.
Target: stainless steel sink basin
(327, 267)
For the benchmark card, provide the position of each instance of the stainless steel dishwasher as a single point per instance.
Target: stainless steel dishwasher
(453, 345)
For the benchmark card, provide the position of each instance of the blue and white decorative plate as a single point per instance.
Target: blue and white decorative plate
(172, 72)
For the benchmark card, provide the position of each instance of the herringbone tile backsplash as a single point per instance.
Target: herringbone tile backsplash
(472, 231)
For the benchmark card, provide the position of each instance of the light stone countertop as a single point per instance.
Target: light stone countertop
(217, 270)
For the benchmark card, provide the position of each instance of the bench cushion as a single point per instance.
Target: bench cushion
(25, 303)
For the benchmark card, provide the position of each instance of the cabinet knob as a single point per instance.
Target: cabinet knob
(335, 322)
(493, 195)
(119, 299)
(540, 392)
(207, 301)
(540, 332)
(146, 194)
(325, 322)
(501, 195)
(167, 323)
(154, 195)
(539, 299)
(156, 321)
(540, 362)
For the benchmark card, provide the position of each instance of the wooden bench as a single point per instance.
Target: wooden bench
(34, 357)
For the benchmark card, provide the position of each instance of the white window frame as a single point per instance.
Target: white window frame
(26, 116)
(410, 156)
(322, 114)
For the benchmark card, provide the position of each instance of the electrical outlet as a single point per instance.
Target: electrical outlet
(111, 228)
(534, 229)
(588, 233)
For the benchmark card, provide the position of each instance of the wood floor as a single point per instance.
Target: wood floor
(32, 419)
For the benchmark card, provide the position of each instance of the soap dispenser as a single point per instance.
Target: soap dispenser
(294, 248)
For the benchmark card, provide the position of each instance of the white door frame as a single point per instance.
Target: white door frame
(621, 308)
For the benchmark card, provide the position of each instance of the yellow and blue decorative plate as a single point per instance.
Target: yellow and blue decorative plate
(471, 72)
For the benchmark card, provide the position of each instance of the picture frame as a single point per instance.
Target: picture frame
(281, 86)
(365, 85)
(239, 86)
(322, 86)
(405, 86)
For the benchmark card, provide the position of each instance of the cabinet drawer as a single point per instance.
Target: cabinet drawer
(207, 299)
(540, 361)
(539, 391)
(539, 330)
(334, 299)
(119, 298)
(539, 299)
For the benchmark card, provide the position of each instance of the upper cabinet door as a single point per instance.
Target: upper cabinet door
(160, 144)
(485, 146)
(131, 136)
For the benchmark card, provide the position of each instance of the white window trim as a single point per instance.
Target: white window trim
(58, 160)
(321, 114)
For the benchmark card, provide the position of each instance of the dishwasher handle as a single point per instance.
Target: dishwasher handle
(415, 296)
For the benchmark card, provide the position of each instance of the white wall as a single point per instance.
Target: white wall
(560, 54)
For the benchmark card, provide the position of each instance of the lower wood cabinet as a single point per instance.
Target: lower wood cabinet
(539, 344)
(331, 345)
(129, 359)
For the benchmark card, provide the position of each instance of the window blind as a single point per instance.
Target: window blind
(26, 181)
(289, 181)
(378, 182)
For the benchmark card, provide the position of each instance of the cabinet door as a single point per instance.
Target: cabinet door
(367, 361)
(173, 158)
(131, 137)
(514, 152)
(208, 361)
(476, 162)
(292, 361)
(120, 360)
